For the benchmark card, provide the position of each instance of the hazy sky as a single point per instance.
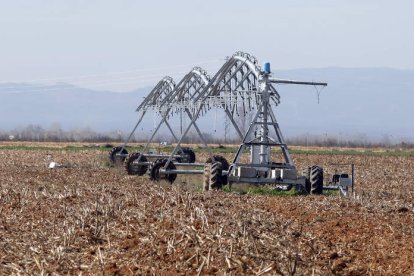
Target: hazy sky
(122, 45)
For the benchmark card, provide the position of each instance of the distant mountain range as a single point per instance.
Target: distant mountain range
(373, 102)
(370, 102)
(69, 105)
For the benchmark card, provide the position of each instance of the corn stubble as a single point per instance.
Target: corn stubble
(91, 218)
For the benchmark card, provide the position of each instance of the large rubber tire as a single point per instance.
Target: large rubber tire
(212, 179)
(224, 166)
(316, 180)
(188, 156)
(306, 174)
(117, 159)
(134, 169)
(216, 179)
(206, 177)
(155, 171)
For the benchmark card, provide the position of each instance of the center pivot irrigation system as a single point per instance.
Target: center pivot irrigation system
(239, 87)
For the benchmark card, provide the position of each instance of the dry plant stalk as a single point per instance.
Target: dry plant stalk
(95, 219)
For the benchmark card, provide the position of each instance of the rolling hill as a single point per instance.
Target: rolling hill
(370, 102)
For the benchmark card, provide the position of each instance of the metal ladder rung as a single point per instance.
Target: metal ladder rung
(261, 123)
(267, 144)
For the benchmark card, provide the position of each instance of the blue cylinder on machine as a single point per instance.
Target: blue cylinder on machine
(266, 68)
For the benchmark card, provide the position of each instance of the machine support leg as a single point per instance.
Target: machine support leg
(182, 137)
(132, 132)
(284, 148)
(200, 134)
(172, 132)
(353, 175)
(234, 123)
(242, 146)
(164, 119)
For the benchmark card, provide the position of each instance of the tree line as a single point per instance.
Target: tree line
(37, 133)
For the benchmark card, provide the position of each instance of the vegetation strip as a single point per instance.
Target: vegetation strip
(221, 149)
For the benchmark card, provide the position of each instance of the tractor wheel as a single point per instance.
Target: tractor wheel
(316, 180)
(135, 169)
(188, 156)
(155, 171)
(212, 179)
(206, 177)
(116, 159)
(224, 166)
(306, 174)
(216, 179)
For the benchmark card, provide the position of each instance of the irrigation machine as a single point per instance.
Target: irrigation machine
(239, 87)
(160, 99)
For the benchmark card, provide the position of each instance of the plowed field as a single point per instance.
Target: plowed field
(91, 218)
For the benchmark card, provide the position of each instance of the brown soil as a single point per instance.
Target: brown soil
(92, 218)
